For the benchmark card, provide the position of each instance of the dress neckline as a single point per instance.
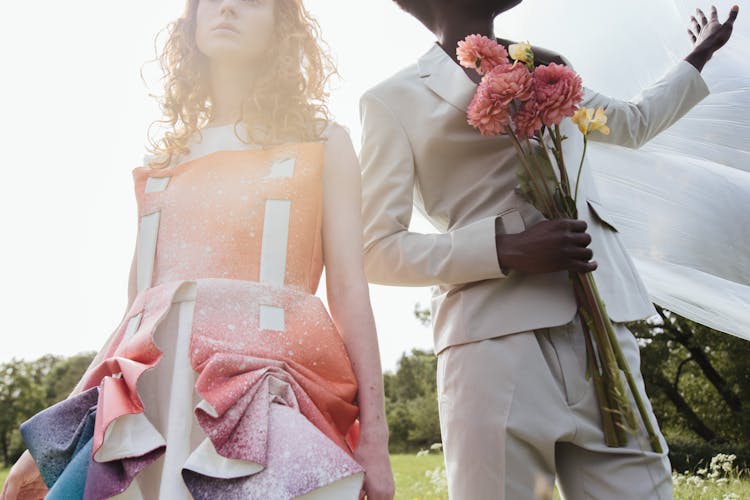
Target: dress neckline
(185, 163)
(217, 138)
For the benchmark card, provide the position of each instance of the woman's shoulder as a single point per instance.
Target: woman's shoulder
(336, 138)
(151, 163)
(331, 129)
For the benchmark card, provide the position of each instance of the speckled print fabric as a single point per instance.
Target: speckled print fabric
(229, 260)
(215, 215)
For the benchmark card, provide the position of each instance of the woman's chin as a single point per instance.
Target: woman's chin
(228, 51)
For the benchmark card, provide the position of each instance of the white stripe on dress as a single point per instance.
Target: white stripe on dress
(273, 256)
(147, 234)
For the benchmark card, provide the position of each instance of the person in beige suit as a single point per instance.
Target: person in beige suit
(516, 409)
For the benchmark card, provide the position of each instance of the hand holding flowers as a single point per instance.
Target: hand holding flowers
(528, 103)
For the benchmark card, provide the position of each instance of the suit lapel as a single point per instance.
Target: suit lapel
(446, 78)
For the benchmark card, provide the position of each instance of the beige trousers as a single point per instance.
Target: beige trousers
(516, 412)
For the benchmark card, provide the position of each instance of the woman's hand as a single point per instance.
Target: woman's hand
(709, 35)
(349, 302)
(372, 454)
(24, 482)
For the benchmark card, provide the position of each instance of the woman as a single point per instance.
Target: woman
(227, 378)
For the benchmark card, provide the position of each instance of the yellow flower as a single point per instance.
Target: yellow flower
(599, 122)
(590, 121)
(582, 117)
(522, 52)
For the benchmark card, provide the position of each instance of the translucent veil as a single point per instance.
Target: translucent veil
(682, 201)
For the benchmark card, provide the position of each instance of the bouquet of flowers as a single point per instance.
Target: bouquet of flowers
(528, 103)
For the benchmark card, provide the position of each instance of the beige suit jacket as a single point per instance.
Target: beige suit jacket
(418, 150)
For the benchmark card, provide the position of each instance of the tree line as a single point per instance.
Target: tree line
(698, 381)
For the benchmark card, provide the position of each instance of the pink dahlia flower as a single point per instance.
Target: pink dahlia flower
(481, 53)
(506, 83)
(558, 91)
(490, 116)
(489, 111)
(527, 119)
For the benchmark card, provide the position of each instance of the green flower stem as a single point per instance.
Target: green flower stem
(548, 200)
(546, 156)
(609, 426)
(540, 138)
(653, 438)
(559, 211)
(557, 138)
(580, 167)
(615, 389)
(599, 335)
(614, 401)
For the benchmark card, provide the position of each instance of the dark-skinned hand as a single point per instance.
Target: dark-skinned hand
(708, 34)
(549, 246)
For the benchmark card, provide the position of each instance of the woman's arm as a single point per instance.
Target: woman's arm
(349, 302)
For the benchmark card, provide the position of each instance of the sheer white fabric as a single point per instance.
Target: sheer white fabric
(681, 201)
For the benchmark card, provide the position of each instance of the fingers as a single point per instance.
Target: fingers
(714, 14)
(579, 253)
(579, 239)
(576, 253)
(576, 231)
(576, 225)
(695, 25)
(692, 36)
(578, 258)
(584, 267)
(702, 17)
(732, 15)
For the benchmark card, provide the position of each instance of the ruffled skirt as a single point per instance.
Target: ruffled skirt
(195, 398)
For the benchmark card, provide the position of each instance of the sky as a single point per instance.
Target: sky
(74, 124)
(75, 119)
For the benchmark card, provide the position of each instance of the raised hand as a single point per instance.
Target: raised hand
(709, 34)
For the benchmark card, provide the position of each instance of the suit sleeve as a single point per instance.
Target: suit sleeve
(393, 255)
(635, 122)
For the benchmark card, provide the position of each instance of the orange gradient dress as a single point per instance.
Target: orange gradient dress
(227, 378)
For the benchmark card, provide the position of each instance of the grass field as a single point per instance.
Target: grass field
(423, 477)
(419, 476)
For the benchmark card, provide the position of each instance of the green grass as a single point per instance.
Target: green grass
(419, 476)
(719, 479)
(422, 477)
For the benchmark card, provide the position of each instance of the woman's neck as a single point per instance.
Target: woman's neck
(230, 84)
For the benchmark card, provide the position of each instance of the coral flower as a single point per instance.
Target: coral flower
(487, 114)
(481, 53)
(505, 83)
(527, 119)
(558, 91)
(489, 111)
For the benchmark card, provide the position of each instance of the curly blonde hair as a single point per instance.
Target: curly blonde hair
(287, 102)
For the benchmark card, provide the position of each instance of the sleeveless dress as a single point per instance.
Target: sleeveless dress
(227, 378)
